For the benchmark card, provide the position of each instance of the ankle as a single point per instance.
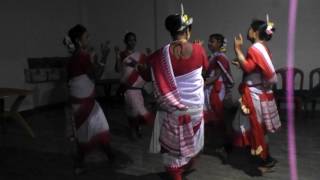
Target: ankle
(174, 173)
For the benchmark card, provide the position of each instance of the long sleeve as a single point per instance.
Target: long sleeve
(249, 64)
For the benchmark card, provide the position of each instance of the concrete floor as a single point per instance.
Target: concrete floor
(49, 155)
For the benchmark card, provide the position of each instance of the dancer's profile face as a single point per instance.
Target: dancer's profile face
(214, 45)
(251, 36)
(84, 40)
(131, 42)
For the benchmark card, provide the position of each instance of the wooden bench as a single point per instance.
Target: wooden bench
(13, 112)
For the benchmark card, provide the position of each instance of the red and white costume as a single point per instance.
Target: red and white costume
(133, 84)
(178, 84)
(123, 54)
(91, 125)
(263, 116)
(215, 92)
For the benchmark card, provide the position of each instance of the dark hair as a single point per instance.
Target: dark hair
(173, 24)
(261, 27)
(127, 35)
(76, 32)
(218, 37)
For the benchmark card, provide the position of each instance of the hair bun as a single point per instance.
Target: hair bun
(173, 23)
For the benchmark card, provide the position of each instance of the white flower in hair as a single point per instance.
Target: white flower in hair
(69, 43)
(185, 19)
(269, 26)
(224, 45)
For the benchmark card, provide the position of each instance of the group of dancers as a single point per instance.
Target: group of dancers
(191, 91)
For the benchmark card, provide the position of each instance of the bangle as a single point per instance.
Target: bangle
(101, 64)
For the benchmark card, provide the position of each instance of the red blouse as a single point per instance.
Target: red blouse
(79, 64)
(252, 60)
(197, 59)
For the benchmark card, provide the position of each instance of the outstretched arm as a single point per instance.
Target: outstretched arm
(98, 65)
(117, 60)
(247, 64)
(210, 80)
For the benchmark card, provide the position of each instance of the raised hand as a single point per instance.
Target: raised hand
(94, 57)
(197, 41)
(105, 50)
(236, 62)
(238, 42)
(93, 54)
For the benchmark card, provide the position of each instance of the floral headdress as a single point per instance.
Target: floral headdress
(70, 45)
(185, 19)
(270, 26)
(223, 48)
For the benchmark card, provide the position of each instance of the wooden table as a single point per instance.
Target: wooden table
(13, 112)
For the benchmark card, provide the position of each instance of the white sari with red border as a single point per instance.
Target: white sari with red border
(130, 77)
(91, 126)
(180, 134)
(263, 117)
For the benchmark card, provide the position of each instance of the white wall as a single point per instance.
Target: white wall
(110, 20)
(35, 28)
(307, 39)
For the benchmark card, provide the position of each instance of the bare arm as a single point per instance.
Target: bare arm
(97, 68)
(247, 64)
(117, 60)
(238, 42)
(210, 80)
(99, 64)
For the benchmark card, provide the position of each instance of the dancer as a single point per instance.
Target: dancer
(219, 80)
(133, 84)
(218, 83)
(130, 40)
(177, 75)
(91, 126)
(258, 112)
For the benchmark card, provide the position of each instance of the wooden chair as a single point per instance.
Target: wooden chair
(314, 88)
(299, 93)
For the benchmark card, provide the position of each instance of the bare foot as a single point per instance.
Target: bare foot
(264, 170)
